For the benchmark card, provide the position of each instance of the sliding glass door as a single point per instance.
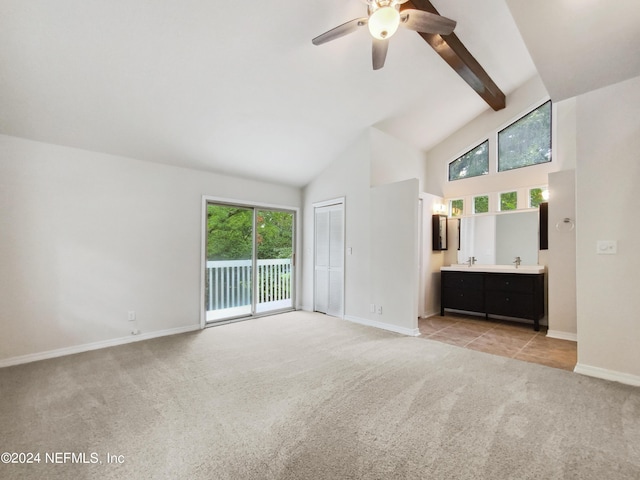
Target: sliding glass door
(249, 261)
(274, 244)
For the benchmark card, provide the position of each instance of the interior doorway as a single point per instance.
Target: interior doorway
(249, 261)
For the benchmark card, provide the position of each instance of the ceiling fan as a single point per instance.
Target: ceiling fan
(384, 18)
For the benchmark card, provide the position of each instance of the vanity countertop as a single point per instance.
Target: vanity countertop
(522, 269)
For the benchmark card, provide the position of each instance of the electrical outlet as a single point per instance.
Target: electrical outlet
(379, 310)
(372, 308)
(131, 315)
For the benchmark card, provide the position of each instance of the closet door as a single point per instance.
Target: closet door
(329, 260)
(321, 281)
(336, 262)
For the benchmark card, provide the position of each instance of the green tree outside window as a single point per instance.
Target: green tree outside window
(457, 207)
(527, 141)
(472, 164)
(481, 204)
(536, 197)
(230, 233)
(508, 201)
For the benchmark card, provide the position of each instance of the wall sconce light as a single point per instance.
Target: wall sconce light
(440, 209)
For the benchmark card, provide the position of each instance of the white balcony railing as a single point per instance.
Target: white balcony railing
(228, 284)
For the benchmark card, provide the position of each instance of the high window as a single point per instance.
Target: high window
(456, 207)
(508, 201)
(526, 141)
(472, 164)
(481, 204)
(537, 196)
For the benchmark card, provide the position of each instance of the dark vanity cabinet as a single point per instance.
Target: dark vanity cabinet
(462, 291)
(519, 295)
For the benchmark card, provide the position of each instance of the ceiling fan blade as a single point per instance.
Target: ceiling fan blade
(340, 31)
(426, 22)
(380, 48)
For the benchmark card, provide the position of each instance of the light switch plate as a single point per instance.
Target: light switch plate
(607, 247)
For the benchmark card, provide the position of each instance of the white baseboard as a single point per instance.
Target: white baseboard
(562, 335)
(605, 374)
(430, 314)
(411, 332)
(61, 352)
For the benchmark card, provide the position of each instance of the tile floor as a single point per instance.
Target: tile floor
(499, 337)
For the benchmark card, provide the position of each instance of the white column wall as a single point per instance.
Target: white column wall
(607, 176)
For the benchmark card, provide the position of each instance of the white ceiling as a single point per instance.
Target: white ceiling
(235, 87)
(580, 45)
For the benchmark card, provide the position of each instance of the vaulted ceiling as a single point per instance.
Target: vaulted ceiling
(239, 88)
(580, 45)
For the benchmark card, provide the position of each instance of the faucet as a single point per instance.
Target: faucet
(517, 261)
(471, 261)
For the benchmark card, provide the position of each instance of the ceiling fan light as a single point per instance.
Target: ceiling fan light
(384, 22)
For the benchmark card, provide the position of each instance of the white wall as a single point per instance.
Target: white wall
(394, 254)
(394, 161)
(347, 176)
(561, 263)
(350, 176)
(86, 237)
(607, 175)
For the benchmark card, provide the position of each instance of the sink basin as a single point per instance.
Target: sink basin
(463, 267)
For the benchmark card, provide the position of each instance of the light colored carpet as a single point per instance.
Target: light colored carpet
(306, 396)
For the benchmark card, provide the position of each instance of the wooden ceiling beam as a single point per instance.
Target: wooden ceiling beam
(453, 51)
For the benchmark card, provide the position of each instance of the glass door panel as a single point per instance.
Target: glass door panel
(274, 248)
(229, 272)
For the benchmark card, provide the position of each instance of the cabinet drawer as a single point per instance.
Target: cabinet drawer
(511, 304)
(470, 281)
(471, 300)
(509, 282)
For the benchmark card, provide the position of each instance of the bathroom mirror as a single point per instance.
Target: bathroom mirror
(498, 239)
(440, 223)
